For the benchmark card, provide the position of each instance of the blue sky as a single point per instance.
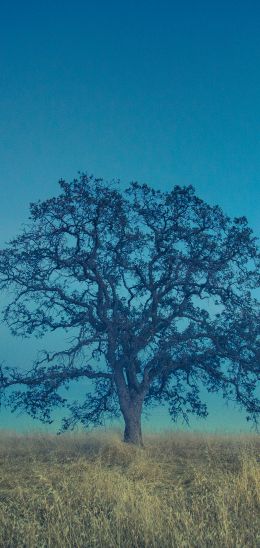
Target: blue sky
(160, 92)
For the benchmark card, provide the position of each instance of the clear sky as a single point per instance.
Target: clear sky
(160, 92)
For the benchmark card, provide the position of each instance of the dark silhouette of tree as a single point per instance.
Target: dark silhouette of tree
(156, 290)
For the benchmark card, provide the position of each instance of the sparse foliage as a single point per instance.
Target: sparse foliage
(155, 288)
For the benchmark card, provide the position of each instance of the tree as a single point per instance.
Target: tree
(156, 290)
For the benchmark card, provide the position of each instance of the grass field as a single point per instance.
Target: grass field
(92, 490)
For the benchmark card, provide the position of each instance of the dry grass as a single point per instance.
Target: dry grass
(91, 490)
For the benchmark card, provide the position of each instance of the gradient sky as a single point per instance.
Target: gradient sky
(160, 92)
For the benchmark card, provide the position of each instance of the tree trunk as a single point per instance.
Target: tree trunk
(131, 403)
(133, 431)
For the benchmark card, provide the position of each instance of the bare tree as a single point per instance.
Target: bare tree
(155, 288)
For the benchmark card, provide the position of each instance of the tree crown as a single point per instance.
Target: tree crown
(157, 289)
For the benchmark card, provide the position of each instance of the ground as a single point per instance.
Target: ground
(92, 490)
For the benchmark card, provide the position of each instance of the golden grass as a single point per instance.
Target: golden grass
(92, 490)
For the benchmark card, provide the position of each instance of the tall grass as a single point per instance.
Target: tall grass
(92, 490)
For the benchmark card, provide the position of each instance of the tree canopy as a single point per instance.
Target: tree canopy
(157, 290)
